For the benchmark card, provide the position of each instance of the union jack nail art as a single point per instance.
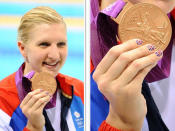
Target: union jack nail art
(151, 47)
(139, 42)
(159, 53)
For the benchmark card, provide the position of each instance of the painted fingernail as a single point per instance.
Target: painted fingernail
(150, 47)
(139, 42)
(47, 92)
(159, 53)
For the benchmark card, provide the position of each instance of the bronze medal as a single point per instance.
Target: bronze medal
(45, 81)
(146, 22)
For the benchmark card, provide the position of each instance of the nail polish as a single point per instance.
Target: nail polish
(159, 53)
(139, 42)
(151, 47)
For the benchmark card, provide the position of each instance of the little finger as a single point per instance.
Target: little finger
(136, 83)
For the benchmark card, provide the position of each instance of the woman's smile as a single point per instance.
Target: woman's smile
(51, 65)
(46, 51)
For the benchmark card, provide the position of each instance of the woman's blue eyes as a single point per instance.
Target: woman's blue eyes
(45, 44)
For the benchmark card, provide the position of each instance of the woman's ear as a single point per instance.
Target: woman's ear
(22, 49)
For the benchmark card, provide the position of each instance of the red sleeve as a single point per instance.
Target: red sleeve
(25, 129)
(106, 127)
(91, 66)
(173, 13)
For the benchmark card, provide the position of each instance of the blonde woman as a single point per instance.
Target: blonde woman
(42, 41)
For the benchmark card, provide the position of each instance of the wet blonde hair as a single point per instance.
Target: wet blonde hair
(34, 17)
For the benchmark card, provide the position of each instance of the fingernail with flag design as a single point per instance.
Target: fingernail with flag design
(139, 42)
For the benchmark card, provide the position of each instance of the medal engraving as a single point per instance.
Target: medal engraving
(146, 22)
(45, 81)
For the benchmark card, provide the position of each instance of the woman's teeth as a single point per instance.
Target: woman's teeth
(50, 64)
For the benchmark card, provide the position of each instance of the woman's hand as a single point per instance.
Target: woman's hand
(32, 107)
(119, 77)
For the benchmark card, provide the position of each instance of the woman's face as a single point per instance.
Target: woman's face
(46, 49)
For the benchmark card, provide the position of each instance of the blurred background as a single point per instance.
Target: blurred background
(10, 14)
